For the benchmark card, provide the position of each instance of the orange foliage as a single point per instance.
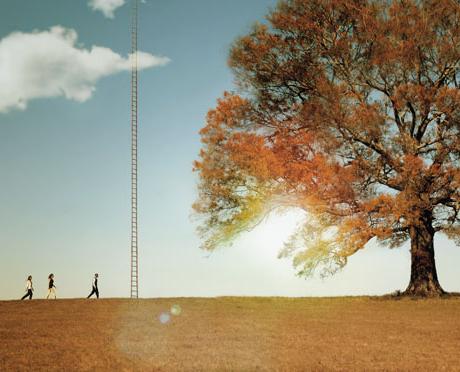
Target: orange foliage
(349, 109)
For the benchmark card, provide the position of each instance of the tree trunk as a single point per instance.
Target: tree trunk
(424, 278)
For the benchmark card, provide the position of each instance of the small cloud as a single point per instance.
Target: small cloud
(50, 63)
(107, 7)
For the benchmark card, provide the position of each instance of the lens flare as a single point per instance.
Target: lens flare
(176, 310)
(164, 318)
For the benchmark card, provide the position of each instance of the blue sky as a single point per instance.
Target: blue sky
(65, 158)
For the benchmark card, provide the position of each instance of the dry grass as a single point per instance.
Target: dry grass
(237, 334)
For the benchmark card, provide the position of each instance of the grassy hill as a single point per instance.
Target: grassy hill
(231, 333)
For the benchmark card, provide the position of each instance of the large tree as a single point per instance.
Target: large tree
(350, 110)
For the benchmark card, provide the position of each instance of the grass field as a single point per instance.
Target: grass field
(231, 333)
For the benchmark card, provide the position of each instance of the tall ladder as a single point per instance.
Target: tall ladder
(134, 142)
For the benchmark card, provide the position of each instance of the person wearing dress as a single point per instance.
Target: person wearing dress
(29, 288)
(51, 287)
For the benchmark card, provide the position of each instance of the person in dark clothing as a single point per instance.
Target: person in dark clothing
(51, 287)
(29, 288)
(95, 289)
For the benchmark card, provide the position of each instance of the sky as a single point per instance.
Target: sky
(65, 158)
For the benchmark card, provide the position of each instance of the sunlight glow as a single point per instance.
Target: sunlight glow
(277, 227)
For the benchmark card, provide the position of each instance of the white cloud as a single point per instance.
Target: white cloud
(50, 64)
(107, 7)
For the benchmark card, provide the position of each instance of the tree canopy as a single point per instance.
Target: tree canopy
(350, 110)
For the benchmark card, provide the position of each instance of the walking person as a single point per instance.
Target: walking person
(95, 289)
(29, 288)
(51, 287)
